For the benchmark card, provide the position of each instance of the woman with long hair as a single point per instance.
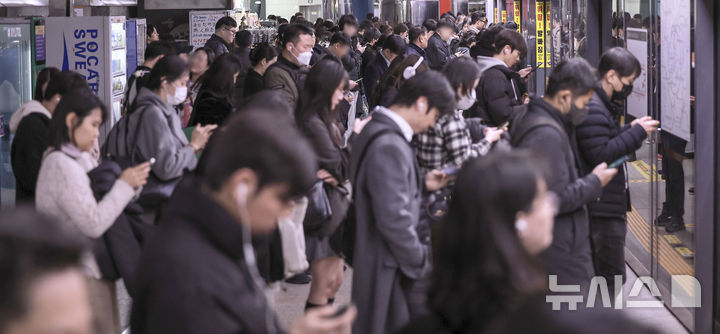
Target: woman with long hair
(261, 57)
(316, 116)
(486, 265)
(394, 77)
(214, 101)
(64, 191)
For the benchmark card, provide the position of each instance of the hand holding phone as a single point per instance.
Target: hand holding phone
(618, 162)
(451, 170)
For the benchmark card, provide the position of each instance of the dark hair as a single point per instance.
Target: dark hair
(620, 60)
(479, 243)
(328, 24)
(445, 23)
(150, 28)
(386, 29)
(65, 82)
(416, 32)
(340, 37)
(262, 51)
(461, 73)
(225, 21)
(430, 24)
(400, 28)
(319, 22)
(393, 78)
(169, 68)
(81, 103)
(159, 48)
(511, 38)
(371, 34)
(347, 19)
(476, 16)
(302, 21)
(468, 38)
(320, 84)
(574, 74)
(209, 52)
(243, 38)
(43, 78)
(269, 145)
(433, 86)
(32, 246)
(511, 25)
(219, 78)
(395, 44)
(485, 42)
(282, 20)
(292, 33)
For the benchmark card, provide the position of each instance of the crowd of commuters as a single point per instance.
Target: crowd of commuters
(411, 154)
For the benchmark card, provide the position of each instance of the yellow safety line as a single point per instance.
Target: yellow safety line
(643, 168)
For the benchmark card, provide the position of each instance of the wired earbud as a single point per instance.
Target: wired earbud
(409, 71)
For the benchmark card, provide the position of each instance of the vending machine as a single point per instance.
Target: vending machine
(94, 47)
(136, 30)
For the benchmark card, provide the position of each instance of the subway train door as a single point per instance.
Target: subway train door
(660, 242)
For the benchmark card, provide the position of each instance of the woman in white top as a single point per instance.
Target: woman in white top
(63, 187)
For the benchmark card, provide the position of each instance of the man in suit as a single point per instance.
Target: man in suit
(393, 47)
(391, 246)
(418, 41)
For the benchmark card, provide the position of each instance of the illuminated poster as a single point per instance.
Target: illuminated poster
(516, 14)
(548, 32)
(496, 15)
(504, 16)
(675, 69)
(540, 34)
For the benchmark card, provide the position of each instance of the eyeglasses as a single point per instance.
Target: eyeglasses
(234, 31)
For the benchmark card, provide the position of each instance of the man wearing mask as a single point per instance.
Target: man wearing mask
(438, 50)
(288, 73)
(602, 139)
(202, 247)
(393, 47)
(222, 40)
(418, 42)
(547, 128)
(391, 253)
(477, 22)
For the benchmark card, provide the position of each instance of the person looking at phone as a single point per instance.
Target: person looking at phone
(547, 128)
(448, 143)
(601, 138)
(64, 190)
(500, 88)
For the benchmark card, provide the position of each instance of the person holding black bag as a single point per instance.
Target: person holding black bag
(324, 88)
(152, 129)
(64, 190)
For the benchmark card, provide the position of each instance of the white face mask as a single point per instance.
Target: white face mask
(179, 96)
(467, 101)
(304, 58)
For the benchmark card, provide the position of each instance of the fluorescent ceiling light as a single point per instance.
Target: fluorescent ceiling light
(18, 3)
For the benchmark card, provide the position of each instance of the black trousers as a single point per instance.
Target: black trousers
(608, 247)
(673, 149)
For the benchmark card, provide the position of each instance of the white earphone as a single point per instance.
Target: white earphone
(242, 191)
(521, 225)
(409, 71)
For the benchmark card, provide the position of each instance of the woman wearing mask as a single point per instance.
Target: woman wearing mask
(152, 129)
(601, 138)
(448, 143)
(324, 88)
(214, 102)
(500, 86)
(261, 57)
(63, 189)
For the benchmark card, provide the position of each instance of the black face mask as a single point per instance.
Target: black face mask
(622, 94)
(577, 115)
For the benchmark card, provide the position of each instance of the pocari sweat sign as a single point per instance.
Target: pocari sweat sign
(83, 56)
(84, 44)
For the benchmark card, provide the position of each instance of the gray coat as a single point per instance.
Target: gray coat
(158, 136)
(389, 254)
(569, 255)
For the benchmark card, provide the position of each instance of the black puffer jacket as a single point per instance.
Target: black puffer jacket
(210, 108)
(497, 92)
(602, 139)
